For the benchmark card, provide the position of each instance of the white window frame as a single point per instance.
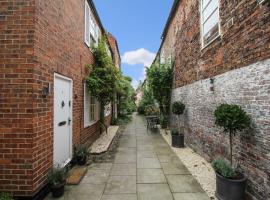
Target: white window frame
(88, 111)
(92, 26)
(87, 23)
(202, 24)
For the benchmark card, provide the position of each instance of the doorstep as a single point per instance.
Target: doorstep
(102, 144)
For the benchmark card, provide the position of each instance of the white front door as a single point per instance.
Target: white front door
(62, 151)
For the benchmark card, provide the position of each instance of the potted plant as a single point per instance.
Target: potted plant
(5, 196)
(177, 139)
(80, 155)
(57, 181)
(178, 109)
(230, 183)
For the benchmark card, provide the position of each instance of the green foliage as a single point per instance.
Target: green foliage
(57, 176)
(160, 81)
(122, 120)
(103, 77)
(232, 118)
(178, 108)
(80, 153)
(141, 110)
(5, 196)
(164, 120)
(174, 132)
(147, 100)
(126, 104)
(151, 110)
(223, 168)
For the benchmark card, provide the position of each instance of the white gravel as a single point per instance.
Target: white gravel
(197, 165)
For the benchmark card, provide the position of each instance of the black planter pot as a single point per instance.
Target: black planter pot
(178, 141)
(58, 191)
(81, 161)
(229, 189)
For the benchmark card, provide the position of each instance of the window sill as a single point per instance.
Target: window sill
(211, 42)
(89, 47)
(90, 124)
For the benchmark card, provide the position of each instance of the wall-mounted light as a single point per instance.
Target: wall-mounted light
(46, 90)
(212, 81)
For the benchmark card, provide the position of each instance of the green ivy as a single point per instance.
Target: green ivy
(160, 79)
(103, 77)
(126, 104)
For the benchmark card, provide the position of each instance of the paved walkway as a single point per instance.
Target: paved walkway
(145, 168)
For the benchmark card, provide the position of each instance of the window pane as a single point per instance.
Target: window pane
(87, 28)
(210, 23)
(86, 106)
(210, 9)
(204, 3)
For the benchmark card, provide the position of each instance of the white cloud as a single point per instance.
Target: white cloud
(135, 83)
(139, 56)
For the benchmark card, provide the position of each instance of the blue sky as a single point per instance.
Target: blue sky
(137, 25)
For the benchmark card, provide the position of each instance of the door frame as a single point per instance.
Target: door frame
(59, 76)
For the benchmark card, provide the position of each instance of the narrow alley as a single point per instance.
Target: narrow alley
(144, 168)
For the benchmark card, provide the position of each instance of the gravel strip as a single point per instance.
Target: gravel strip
(197, 165)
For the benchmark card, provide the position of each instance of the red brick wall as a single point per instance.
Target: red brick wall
(16, 98)
(43, 38)
(246, 42)
(116, 54)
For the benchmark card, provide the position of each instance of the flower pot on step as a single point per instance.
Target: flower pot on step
(230, 189)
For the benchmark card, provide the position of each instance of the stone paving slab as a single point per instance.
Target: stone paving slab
(96, 176)
(174, 168)
(183, 183)
(148, 163)
(125, 158)
(120, 197)
(144, 168)
(121, 185)
(150, 176)
(123, 170)
(190, 196)
(154, 192)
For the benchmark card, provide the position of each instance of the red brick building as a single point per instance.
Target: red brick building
(224, 45)
(45, 108)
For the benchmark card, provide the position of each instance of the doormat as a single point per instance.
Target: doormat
(76, 175)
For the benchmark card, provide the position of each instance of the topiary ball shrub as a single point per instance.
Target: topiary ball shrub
(178, 108)
(223, 168)
(232, 118)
